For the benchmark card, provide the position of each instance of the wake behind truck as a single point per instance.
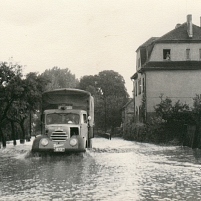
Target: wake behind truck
(67, 121)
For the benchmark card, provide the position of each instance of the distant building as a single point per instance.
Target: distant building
(127, 115)
(170, 66)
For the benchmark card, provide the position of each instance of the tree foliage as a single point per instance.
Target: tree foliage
(59, 78)
(90, 84)
(111, 83)
(10, 90)
(181, 122)
(197, 105)
(173, 112)
(18, 96)
(10, 87)
(108, 88)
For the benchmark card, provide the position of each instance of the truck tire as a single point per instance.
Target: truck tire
(89, 144)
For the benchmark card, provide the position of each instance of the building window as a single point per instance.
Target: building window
(188, 57)
(166, 54)
(143, 85)
(139, 86)
(200, 54)
(85, 118)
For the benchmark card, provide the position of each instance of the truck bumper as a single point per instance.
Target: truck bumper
(59, 146)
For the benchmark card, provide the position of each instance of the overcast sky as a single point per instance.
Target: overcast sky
(86, 36)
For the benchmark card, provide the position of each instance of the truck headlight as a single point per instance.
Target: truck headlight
(44, 142)
(73, 142)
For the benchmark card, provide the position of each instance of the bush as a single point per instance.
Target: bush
(168, 125)
(157, 131)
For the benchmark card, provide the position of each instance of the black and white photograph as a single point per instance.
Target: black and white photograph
(100, 100)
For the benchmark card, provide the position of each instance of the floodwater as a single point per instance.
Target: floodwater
(112, 170)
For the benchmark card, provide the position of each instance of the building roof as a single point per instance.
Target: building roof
(135, 76)
(168, 65)
(172, 65)
(128, 103)
(148, 42)
(179, 34)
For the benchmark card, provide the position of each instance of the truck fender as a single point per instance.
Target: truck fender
(81, 142)
(35, 145)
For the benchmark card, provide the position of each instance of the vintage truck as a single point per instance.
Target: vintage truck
(67, 121)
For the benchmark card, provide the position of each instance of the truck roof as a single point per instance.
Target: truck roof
(64, 111)
(77, 98)
(69, 91)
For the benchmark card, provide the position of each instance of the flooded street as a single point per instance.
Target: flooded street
(112, 170)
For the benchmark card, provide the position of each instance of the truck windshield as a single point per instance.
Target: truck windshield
(60, 118)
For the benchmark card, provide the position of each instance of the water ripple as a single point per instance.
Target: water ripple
(112, 170)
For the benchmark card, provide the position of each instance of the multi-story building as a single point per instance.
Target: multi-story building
(170, 66)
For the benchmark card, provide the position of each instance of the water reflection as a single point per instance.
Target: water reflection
(112, 170)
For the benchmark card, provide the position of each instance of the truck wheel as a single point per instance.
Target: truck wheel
(89, 143)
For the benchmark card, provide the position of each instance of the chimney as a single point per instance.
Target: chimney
(177, 25)
(189, 26)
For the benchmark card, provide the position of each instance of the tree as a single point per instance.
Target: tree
(108, 89)
(197, 117)
(10, 90)
(19, 97)
(60, 78)
(174, 117)
(171, 113)
(89, 83)
(30, 102)
(111, 85)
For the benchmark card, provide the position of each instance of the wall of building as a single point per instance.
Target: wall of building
(178, 51)
(127, 116)
(176, 85)
(138, 60)
(138, 97)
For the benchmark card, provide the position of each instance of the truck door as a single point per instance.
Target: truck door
(84, 126)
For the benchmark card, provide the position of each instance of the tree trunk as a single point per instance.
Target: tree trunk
(194, 140)
(185, 133)
(22, 140)
(28, 137)
(13, 133)
(105, 105)
(2, 138)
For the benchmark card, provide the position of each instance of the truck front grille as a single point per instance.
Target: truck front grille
(59, 136)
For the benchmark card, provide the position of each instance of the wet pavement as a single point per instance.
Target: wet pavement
(112, 170)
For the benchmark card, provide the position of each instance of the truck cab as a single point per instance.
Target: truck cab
(67, 128)
(62, 125)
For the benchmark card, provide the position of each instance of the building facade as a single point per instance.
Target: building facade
(168, 66)
(127, 115)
